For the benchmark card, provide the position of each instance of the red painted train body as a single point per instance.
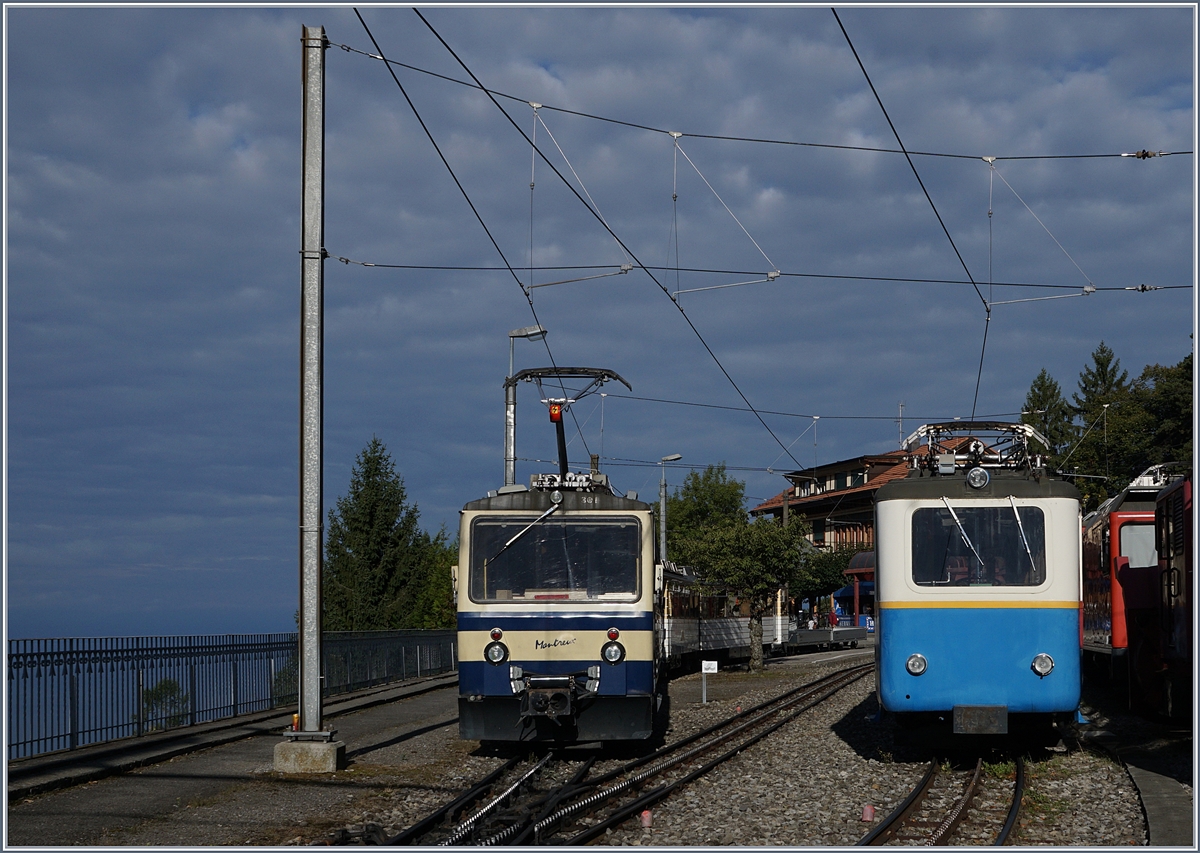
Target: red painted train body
(1127, 595)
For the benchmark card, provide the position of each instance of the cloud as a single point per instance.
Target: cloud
(153, 235)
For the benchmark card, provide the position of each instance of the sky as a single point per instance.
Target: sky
(152, 287)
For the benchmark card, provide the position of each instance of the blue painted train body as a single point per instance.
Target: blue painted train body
(978, 582)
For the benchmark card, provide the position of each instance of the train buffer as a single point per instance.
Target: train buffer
(831, 638)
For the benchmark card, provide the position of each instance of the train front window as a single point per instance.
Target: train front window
(558, 559)
(1137, 543)
(983, 546)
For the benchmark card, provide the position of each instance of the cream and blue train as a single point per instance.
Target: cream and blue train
(978, 581)
(559, 614)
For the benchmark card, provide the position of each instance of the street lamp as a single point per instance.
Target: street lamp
(529, 333)
(662, 506)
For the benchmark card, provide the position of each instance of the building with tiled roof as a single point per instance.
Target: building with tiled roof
(838, 499)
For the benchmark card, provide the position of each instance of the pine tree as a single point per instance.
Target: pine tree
(1046, 411)
(374, 551)
(1102, 382)
(1109, 428)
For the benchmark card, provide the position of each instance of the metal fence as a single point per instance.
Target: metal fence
(65, 693)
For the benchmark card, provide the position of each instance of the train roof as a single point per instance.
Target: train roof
(926, 485)
(1141, 494)
(956, 462)
(580, 492)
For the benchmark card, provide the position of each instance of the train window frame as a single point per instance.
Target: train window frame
(551, 595)
(963, 575)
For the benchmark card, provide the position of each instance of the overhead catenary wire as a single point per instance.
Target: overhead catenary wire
(1142, 154)
(533, 153)
(631, 254)
(928, 198)
(470, 204)
(1086, 277)
(807, 415)
(723, 204)
(782, 274)
(536, 152)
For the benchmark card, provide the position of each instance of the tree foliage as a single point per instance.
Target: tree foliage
(751, 560)
(708, 529)
(1046, 411)
(1116, 427)
(707, 499)
(824, 572)
(382, 571)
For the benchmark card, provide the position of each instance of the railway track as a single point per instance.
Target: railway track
(942, 805)
(552, 799)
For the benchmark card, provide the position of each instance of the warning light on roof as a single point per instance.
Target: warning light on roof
(555, 413)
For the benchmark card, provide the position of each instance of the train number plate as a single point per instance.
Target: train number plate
(980, 719)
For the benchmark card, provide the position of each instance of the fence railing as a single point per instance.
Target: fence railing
(64, 693)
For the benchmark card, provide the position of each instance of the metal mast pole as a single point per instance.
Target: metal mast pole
(662, 515)
(312, 280)
(510, 424)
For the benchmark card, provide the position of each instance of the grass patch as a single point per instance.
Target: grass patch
(1000, 769)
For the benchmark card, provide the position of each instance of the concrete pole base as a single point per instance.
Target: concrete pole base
(308, 756)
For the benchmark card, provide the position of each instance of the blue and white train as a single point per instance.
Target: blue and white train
(978, 579)
(558, 599)
(568, 622)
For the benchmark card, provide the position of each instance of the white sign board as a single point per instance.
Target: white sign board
(708, 666)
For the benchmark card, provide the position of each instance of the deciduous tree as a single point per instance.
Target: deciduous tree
(752, 561)
(707, 499)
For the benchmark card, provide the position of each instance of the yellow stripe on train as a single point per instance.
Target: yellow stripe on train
(556, 645)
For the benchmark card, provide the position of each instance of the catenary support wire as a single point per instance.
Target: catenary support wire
(637, 262)
(1139, 155)
(467, 197)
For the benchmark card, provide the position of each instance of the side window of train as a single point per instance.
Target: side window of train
(983, 547)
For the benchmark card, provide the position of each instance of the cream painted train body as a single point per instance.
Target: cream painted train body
(559, 614)
(568, 623)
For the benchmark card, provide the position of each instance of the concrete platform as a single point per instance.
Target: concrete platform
(29, 776)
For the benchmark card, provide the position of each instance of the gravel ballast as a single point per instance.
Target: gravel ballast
(805, 785)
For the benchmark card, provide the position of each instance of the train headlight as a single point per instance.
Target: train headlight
(613, 653)
(1042, 664)
(916, 664)
(977, 478)
(495, 653)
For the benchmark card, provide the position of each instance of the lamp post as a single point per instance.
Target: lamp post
(529, 333)
(662, 506)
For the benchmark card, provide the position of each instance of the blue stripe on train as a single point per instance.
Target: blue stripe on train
(978, 656)
(543, 621)
(630, 677)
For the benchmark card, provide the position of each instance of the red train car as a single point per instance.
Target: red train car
(1169, 679)
(1121, 583)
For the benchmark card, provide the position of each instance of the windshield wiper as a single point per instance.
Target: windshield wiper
(963, 531)
(1021, 527)
(528, 527)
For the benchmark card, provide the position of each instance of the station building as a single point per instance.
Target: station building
(838, 501)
